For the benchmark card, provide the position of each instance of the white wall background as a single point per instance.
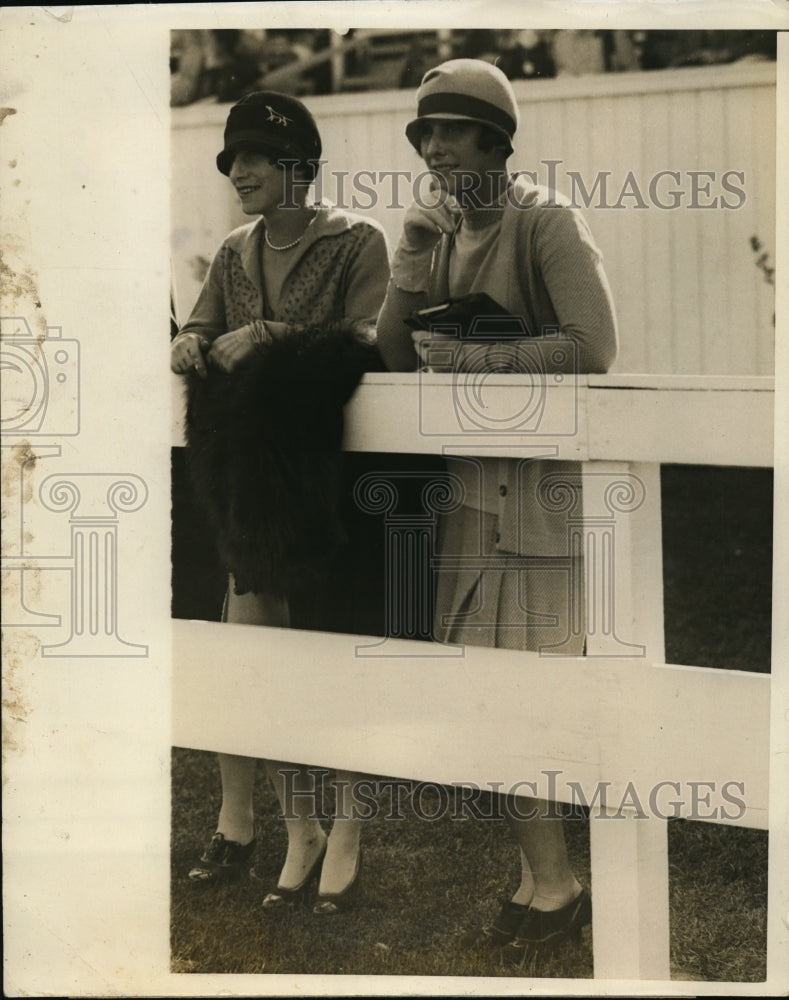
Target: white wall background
(689, 296)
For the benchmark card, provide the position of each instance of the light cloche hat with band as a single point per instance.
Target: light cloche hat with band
(470, 89)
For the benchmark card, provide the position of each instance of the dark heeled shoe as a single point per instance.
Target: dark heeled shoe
(338, 902)
(543, 930)
(222, 860)
(500, 932)
(282, 897)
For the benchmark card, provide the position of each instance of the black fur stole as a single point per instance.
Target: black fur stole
(265, 452)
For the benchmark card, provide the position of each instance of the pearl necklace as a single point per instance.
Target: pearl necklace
(289, 246)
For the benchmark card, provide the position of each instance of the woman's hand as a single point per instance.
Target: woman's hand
(187, 352)
(428, 218)
(425, 222)
(232, 349)
(438, 351)
(443, 352)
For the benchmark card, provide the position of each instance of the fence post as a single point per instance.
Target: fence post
(629, 854)
(630, 892)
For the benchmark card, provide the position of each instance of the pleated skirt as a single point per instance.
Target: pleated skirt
(486, 597)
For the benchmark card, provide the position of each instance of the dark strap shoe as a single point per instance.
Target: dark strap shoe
(542, 930)
(500, 932)
(222, 859)
(329, 904)
(281, 897)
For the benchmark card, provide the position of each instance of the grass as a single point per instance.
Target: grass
(717, 566)
(426, 882)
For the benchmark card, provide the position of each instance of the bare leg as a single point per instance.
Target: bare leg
(525, 891)
(541, 840)
(547, 881)
(295, 788)
(256, 609)
(342, 853)
(236, 817)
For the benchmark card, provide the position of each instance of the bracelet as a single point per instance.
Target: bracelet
(182, 336)
(259, 332)
(408, 291)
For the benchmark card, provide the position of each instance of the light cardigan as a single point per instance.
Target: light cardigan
(548, 270)
(339, 271)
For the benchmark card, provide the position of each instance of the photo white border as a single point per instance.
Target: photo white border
(86, 742)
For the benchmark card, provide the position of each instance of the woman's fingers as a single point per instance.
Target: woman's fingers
(442, 206)
(430, 216)
(438, 350)
(437, 218)
(231, 349)
(428, 344)
(420, 339)
(187, 355)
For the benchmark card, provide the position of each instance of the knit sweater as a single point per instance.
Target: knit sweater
(264, 442)
(546, 268)
(338, 272)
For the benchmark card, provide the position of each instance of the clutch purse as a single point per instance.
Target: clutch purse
(474, 317)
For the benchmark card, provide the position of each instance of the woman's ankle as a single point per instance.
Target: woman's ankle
(241, 831)
(344, 837)
(555, 897)
(524, 896)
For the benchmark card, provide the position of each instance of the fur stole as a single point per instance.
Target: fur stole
(265, 454)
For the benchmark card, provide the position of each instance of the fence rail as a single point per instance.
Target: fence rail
(618, 719)
(699, 420)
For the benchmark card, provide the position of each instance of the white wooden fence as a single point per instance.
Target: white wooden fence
(685, 280)
(619, 716)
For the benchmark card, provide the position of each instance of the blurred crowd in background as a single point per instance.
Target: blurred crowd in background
(224, 64)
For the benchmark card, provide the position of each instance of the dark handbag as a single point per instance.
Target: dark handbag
(475, 317)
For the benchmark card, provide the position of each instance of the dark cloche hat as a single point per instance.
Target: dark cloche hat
(267, 121)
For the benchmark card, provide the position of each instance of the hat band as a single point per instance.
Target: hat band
(276, 143)
(469, 107)
(284, 132)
